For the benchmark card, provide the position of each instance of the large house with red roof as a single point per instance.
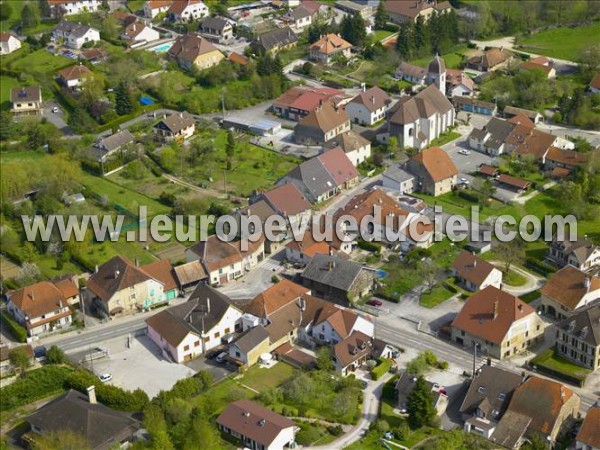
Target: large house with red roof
(289, 202)
(567, 290)
(329, 47)
(326, 122)
(435, 171)
(299, 101)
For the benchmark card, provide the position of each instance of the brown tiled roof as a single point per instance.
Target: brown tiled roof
(133, 29)
(373, 99)
(589, 433)
(338, 165)
(162, 271)
(411, 8)
(472, 268)
(491, 57)
(325, 117)
(190, 46)
(566, 157)
(169, 327)
(66, 284)
(116, 274)
(26, 94)
(542, 400)
(254, 421)
(189, 273)
(353, 348)
(537, 143)
(74, 72)
(560, 172)
(275, 297)
(521, 119)
(530, 65)
(215, 253)
(4, 37)
(153, 4)
(423, 105)
(239, 59)
(349, 142)
(331, 43)
(477, 315)
(341, 321)
(308, 245)
(363, 204)
(567, 286)
(179, 121)
(488, 170)
(41, 298)
(287, 199)
(305, 98)
(260, 209)
(513, 181)
(595, 83)
(437, 163)
(513, 110)
(540, 60)
(456, 77)
(94, 53)
(179, 6)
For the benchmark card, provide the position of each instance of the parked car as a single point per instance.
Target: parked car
(105, 377)
(374, 302)
(462, 151)
(55, 109)
(463, 181)
(220, 358)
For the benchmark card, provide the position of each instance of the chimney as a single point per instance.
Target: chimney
(137, 262)
(495, 309)
(474, 263)
(117, 273)
(330, 250)
(91, 391)
(587, 283)
(373, 99)
(96, 269)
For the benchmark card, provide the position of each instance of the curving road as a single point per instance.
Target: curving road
(533, 281)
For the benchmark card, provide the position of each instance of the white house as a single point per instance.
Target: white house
(61, 8)
(153, 8)
(190, 329)
(369, 107)
(338, 326)
(475, 273)
(187, 10)
(73, 77)
(567, 290)
(8, 43)
(75, 35)
(356, 147)
(137, 32)
(398, 179)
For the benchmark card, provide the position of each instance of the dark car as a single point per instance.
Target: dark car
(374, 302)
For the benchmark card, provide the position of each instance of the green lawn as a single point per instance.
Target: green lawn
(562, 43)
(260, 379)
(530, 296)
(135, 5)
(439, 294)
(552, 361)
(6, 84)
(15, 15)
(452, 59)
(379, 35)
(444, 138)
(41, 61)
(514, 279)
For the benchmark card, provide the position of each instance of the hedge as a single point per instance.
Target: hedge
(539, 266)
(369, 246)
(468, 196)
(17, 331)
(35, 385)
(381, 369)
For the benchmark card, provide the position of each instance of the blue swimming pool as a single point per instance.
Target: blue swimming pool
(381, 274)
(162, 48)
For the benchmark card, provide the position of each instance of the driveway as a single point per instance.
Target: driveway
(57, 119)
(218, 371)
(256, 281)
(533, 281)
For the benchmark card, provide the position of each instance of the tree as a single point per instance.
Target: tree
(419, 404)
(405, 43)
(589, 59)
(81, 122)
(352, 29)
(230, 148)
(381, 16)
(6, 125)
(29, 15)
(20, 359)
(124, 100)
(430, 272)
(511, 252)
(60, 440)
(202, 435)
(324, 360)
(5, 11)
(29, 272)
(45, 9)
(55, 355)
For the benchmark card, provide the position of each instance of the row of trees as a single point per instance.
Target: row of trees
(438, 35)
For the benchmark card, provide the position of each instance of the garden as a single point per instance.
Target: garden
(554, 364)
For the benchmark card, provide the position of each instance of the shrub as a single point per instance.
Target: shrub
(369, 246)
(442, 365)
(539, 266)
(35, 385)
(17, 331)
(381, 369)
(274, 279)
(468, 196)
(382, 426)
(55, 355)
(335, 430)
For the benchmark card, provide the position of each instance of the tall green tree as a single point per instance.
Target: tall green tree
(419, 404)
(405, 43)
(353, 29)
(230, 148)
(30, 16)
(6, 125)
(381, 16)
(5, 11)
(124, 99)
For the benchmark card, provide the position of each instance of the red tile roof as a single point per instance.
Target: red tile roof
(595, 83)
(437, 163)
(162, 271)
(567, 286)
(329, 44)
(338, 165)
(275, 298)
(42, 297)
(287, 199)
(513, 181)
(74, 72)
(472, 268)
(589, 433)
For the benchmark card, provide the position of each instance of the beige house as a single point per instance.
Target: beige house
(193, 50)
(475, 273)
(567, 290)
(329, 47)
(436, 173)
(498, 323)
(403, 11)
(578, 337)
(26, 101)
(177, 127)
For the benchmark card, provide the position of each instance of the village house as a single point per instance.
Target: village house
(289, 202)
(398, 179)
(330, 47)
(75, 35)
(301, 251)
(60, 8)
(120, 286)
(335, 278)
(405, 385)
(333, 326)
(192, 50)
(413, 74)
(588, 437)
(44, 306)
(110, 145)
(321, 125)
(418, 120)
(276, 40)
(299, 101)
(564, 158)
(578, 337)
(402, 11)
(458, 83)
(473, 105)
(261, 211)
(73, 77)
(138, 33)
(594, 85)
(177, 127)
(216, 29)
(153, 8)
(540, 63)
(26, 101)
(188, 275)
(225, 261)
(490, 60)
(356, 147)
(299, 17)
(580, 253)
(475, 273)
(100, 426)
(435, 172)
(500, 324)
(512, 111)
(187, 10)
(188, 330)
(8, 43)
(257, 427)
(567, 290)
(368, 107)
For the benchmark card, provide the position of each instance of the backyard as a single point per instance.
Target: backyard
(552, 361)
(452, 59)
(563, 43)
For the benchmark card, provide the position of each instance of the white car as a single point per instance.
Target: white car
(105, 377)
(221, 357)
(55, 109)
(464, 152)
(463, 181)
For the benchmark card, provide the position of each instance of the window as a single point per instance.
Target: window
(186, 348)
(481, 389)
(227, 330)
(205, 340)
(217, 335)
(237, 354)
(197, 344)
(501, 396)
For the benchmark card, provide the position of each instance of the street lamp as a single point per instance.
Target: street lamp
(477, 344)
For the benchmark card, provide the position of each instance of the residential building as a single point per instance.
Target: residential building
(188, 275)
(256, 426)
(578, 337)
(458, 83)
(299, 101)
(225, 261)
(499, 323)
(418, 120)
(301, 251)
(588, 437)
(564, 158)
(397, 178)
(288, 201)
(405, 385)
(99, 425)
(239, 59)
(475, 273)
(43, 306)
(177, 127)
(26, 101)
(549, 404)
(580, 253)
(75, 35)
(594, 85)
(192, 50)
(139, 33)
(545, 67)
(330, 47)
(216, 29)
(567, 290)
(187, 10)
(402, 11)
(333, 326)
(60, 8)
(323, 124)
(186, 331)
(119, 285)
(110, 145)
(434, 170)
(512, 111)
(261, 212)
(73, 77)
(490, 60)
(368, 107)
(411, 73)
(356, 147)
(8, 43)
(153, 8)
(335, 278)
(499, 136)
(473, 105)
(299, 17)
(487, 399)
(276, 40)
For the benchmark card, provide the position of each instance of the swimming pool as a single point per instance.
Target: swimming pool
(162, 48)
(381, 274)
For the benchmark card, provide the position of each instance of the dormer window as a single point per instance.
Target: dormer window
(481, 389)
(501, 396)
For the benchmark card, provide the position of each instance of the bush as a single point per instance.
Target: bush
(381, 369)
(35, 385)
(468, 196)
(335, 430)
(274, 279)
(17, 331)
(382, 426)
(369, 246)
(55, 355)
(442, 365)
(539, 266)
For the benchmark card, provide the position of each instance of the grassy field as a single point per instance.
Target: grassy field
(514, 279)
(444, 138)
(438, 294)
(6, 84)
(260, 379)
(41, 61)
(562, 43)
(379, 35)
(552, 361)
(452, 59)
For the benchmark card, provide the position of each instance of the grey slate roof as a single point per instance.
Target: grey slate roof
(252, 338)
(585, 324)
(398, 174)
(117, 140)
(510, 429)
(499, 130)
(213, 23)
(72, 28)
(279, 37)
(314, 176)
(177, 122)
(342, 275)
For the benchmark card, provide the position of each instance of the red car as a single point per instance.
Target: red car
(375, 302)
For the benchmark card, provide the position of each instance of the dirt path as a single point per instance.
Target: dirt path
(204, 191)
